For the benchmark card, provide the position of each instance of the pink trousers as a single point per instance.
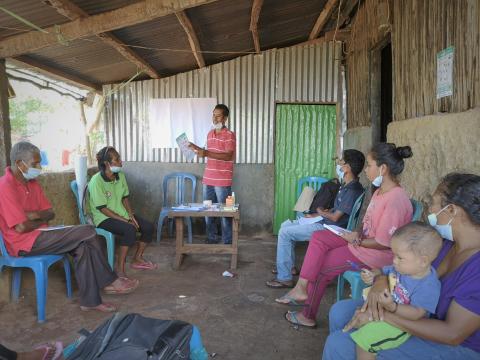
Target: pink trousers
(327, 257)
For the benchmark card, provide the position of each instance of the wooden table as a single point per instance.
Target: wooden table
(182, 248)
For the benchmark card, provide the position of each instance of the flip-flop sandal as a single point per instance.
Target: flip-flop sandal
(277, 284)
(104, 307)
(56, 348)
(294, 320)
(110, 290)
(148, 265)
(291, 301)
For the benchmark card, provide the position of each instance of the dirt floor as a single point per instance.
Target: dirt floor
(238, 317)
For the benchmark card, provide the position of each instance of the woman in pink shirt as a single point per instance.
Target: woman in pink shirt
(329, 255)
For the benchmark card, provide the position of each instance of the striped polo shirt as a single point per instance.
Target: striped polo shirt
(220, 172)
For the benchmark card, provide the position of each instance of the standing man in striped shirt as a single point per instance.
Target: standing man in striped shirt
(217, 178)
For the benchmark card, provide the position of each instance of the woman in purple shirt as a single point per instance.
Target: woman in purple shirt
(454, 333)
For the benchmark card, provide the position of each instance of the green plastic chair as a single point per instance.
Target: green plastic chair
(109, 237)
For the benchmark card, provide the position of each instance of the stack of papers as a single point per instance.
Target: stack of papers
(188, 208)
(336, 229)
(57, 227)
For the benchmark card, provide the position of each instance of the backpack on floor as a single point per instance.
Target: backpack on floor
(134, 337)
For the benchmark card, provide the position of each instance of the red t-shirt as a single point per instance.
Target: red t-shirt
(17, 198)
(220, 172)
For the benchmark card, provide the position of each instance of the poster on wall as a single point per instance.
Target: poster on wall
(170, 118)
(445, 72)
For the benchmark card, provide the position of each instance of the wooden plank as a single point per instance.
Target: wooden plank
(129, 15)
(341, 35)
(56, 73)
(255, 15)
(323, 18)
(207, 249)
(192, 37)
(6, 143)
(73, 12)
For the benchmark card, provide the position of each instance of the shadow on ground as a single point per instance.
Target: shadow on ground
(238, 317)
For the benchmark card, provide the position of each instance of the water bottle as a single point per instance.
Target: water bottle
(233, 198)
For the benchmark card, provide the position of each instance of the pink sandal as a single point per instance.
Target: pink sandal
(147, 265)
(54, 348)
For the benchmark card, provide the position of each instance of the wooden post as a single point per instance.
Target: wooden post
(5, 147)
(178, 242)
(6, 141)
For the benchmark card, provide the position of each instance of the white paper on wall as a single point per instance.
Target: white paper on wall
(170, 117)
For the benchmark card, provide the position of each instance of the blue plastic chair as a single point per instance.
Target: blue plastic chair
(417, 210)
(109, 237)
(181, 180)
(315, 182)
(353, 277)
(39, 265)
(350, 275)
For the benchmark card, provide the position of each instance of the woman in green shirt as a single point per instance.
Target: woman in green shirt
(112, 211)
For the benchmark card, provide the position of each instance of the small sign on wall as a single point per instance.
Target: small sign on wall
(445, 72)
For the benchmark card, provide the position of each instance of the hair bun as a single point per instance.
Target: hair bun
(404, 152)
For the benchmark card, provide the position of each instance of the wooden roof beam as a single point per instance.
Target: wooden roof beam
(323, 19)
(129, 15)
(192, 37)
(255, 15)
(342, 35)
(25, 61)
(73, 12)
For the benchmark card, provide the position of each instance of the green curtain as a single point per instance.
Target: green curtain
(305, 145)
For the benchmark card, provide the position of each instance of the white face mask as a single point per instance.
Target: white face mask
(115, 169)
(217, 126)
(378, 180)
(31, 173)
(445, 230)
(340, 172)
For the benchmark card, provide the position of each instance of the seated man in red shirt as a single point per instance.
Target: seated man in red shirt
(24, 209)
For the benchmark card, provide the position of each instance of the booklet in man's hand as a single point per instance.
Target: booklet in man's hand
(184, 146)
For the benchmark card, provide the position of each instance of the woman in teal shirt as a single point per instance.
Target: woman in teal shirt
(111, 210)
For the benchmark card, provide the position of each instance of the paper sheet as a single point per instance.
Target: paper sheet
(336, 229)
(305, 199)
(57, 227)
(183, 144)
(309, 220)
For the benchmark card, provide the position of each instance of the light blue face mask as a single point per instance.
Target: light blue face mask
(115, 169)
(377, 181)
(31, 173)
(445, 230)
(340, 172)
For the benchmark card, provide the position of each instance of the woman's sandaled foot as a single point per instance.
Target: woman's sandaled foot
(143, 265)
(104, 307)
(279, 284)
(298, 319)
(293, 297)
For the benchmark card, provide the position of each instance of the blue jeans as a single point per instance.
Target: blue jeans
(291, 232)
(340, 346)
(218, 194)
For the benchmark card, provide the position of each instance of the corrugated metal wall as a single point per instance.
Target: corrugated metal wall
(249, 85)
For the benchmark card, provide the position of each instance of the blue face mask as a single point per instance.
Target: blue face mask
(31, 173)
(340, 172)
(377, 181)
(115, 169)
(445, 230)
